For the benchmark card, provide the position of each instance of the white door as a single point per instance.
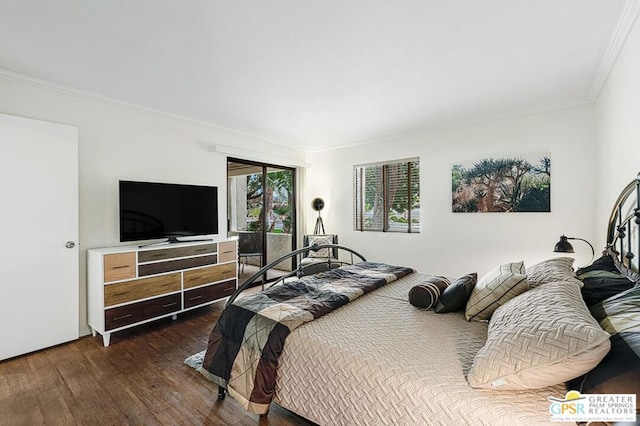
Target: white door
(39, 286)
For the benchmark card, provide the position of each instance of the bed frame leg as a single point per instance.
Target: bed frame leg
(221, 392)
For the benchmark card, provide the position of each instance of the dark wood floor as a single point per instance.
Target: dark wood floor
(140, 379)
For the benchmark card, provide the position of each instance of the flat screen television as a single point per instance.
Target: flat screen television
(151, 210)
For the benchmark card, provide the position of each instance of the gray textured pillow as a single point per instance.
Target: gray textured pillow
(532, 343)
(552, 270)
(497, 287)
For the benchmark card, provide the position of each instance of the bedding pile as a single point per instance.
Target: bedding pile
(246, 342)
(379, 360)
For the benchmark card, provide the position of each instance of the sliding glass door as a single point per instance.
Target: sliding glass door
(261, 213)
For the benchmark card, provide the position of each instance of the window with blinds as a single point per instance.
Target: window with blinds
(387, 196)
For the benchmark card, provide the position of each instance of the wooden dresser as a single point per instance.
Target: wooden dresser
(128, 286)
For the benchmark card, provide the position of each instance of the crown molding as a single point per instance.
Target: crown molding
(616, 43)
(24, 79)
(91, 96)
(461, 124)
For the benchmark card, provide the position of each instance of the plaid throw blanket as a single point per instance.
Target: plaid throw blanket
(244, 346)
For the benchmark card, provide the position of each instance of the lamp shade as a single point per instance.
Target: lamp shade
(563, 246)
(317, 204)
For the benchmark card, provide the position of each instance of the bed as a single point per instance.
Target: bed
(379, 360)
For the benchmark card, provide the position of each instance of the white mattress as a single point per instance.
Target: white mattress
(379, 360)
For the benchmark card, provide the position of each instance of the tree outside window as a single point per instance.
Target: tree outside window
(279, 193)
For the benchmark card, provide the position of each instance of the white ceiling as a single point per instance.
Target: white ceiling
(325, 73)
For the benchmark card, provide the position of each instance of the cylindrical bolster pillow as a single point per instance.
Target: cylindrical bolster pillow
(426, 295)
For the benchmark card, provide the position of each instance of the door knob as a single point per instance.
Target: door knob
(70, 244)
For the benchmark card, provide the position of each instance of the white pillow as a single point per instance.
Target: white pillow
(498, 286)
(320, 240)
(550, 270)
(542, 337)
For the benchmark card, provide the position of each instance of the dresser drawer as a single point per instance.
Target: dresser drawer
(201, 295)
(128, 291)
(119, 266)
(135, 312)
(162, 254)
(227, 251)
(175, 265)
(211, 274)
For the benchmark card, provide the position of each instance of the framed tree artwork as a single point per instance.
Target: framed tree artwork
(508, 184)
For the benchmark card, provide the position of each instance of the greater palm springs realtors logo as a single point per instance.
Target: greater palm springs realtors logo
(593, 407)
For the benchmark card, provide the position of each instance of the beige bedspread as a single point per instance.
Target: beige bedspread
(379, 361)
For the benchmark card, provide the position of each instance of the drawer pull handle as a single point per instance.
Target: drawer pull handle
(169, 304)
(121, 267)
(229, 251)
(195, 297)
(122, 317)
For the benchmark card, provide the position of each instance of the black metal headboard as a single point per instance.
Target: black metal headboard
(623, 241)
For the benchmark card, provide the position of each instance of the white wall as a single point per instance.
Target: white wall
(454, 244)
(123, 143)
(618, 130)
